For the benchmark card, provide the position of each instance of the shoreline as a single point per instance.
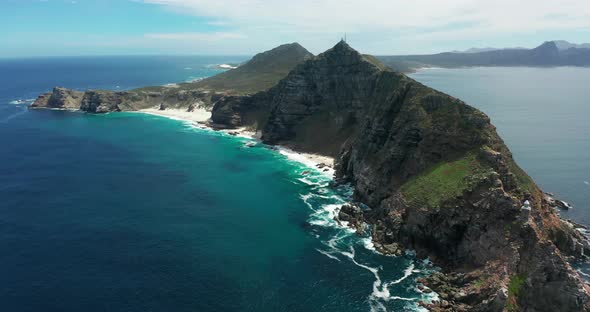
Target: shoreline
(201, 117)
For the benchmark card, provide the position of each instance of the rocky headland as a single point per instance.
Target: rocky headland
(430, 173)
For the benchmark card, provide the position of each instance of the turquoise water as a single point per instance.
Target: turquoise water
(133, 212)
(543, 116)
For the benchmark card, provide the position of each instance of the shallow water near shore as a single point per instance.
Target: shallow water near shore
(135, 212)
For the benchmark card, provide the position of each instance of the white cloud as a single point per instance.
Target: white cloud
(405, 20)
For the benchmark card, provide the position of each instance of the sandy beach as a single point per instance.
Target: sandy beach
(199, 115)
(202, 116)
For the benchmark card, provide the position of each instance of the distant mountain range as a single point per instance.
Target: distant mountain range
(550, 53)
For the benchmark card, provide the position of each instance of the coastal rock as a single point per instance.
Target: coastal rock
(437, 177)
(59, 98)
(436, 174)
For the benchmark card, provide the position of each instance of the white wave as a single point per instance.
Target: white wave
(368, 243)
(583, 273)
(407, 272)
(586, 182)
(380, 290)
(188, 68)
(226, 66)
(192, 79)
(328, 255)
(20, 102)
(311, 183)
(305, 160)
(402, 298)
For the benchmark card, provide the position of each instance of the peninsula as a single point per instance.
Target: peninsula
(430, 173)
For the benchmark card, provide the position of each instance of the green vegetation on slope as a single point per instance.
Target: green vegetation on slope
(444, 181)
(514, 288)
(259, 74)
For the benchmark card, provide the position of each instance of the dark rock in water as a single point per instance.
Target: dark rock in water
(556, 203)
(352, 214)
(162, 106)
(306, 172)
(438, 177)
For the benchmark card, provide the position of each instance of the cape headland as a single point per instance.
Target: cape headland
(429, 172)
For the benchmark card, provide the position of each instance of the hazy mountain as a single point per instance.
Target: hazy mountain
(550, 53)
(564, 45)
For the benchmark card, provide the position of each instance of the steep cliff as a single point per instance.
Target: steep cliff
(436, 176)
(102, 101)
(430, 173)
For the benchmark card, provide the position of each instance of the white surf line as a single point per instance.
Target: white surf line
(325, 253)
(583, 273)
(305, 198)
(407, 273)
(587, 183)
(382, 293)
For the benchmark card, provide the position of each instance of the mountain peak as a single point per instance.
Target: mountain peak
(261, 72)
(342, 47)
(342, 54)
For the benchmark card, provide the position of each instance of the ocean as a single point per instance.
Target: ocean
(542, 115)
(134, 212)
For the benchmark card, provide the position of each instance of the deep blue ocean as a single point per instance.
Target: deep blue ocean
(134, 212)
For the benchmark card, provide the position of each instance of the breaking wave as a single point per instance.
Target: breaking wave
(393, 284)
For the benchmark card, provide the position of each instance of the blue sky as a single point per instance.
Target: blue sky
(244, 27)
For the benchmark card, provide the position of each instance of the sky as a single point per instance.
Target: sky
(31, 28)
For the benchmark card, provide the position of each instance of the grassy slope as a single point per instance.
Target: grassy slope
(262, 72)
(444, 181)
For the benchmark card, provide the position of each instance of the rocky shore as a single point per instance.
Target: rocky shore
(430, 174)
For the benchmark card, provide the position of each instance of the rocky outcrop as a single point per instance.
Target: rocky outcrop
(437, 178)
(430, 173)
(101, 101)
(60, 98)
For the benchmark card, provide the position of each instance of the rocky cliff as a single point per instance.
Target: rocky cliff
(430, 173)
(437, 178)
(260, 73)
(102, 101)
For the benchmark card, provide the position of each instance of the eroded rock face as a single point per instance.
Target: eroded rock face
(436, 175)
(101, 101)
(60, 98)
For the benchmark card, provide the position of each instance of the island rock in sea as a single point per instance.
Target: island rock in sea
(429, 171)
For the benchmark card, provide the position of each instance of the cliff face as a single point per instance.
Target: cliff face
(99, 101)
(60, 98)
(436, 175)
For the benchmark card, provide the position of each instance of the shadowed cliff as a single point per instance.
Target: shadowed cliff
(433, 175)
(430, 173)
